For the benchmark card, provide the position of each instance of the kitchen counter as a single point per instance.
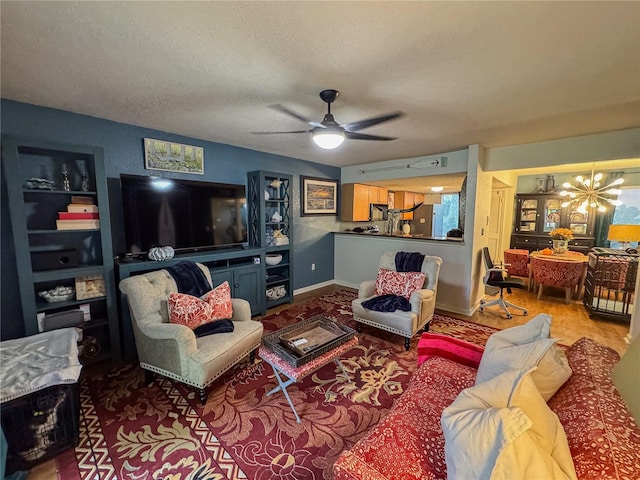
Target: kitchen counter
(400, 236)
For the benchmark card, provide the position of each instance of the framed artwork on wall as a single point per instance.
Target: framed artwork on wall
(173, 157)
(319, 196)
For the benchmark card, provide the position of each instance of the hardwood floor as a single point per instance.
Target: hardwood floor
(570, 323)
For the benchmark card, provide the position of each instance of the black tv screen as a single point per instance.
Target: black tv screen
(186, 215)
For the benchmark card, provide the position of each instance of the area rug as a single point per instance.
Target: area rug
(133, 431)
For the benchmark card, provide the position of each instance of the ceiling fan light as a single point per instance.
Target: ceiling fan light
(328, 139)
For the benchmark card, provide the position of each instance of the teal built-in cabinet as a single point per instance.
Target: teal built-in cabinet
(42, 180)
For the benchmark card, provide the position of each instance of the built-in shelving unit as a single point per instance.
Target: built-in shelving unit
(47, 257)
(270, 211)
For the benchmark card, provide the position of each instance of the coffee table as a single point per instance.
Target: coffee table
(287, 366)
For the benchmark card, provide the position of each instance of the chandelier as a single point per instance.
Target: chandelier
(588, 193)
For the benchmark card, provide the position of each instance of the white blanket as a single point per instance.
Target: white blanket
(34, 363)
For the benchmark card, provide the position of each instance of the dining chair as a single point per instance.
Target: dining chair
(552, 272)
(516, 261)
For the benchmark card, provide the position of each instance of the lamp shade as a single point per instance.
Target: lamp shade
(624, 233)
(328, 138)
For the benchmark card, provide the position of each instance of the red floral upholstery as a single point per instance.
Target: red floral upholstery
(556, 273)
(603, 438)
(517, 261)
(409, 444)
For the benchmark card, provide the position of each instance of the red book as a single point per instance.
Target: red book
(78, 215)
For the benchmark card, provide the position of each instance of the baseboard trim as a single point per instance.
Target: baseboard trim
(309, 288)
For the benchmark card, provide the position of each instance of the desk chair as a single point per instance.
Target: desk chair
(496, 277)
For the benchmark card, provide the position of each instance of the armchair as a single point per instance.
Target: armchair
(173, 350)
(405, 324)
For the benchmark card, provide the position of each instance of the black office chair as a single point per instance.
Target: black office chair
(497, 277)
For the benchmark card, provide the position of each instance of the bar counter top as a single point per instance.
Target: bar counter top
(400, 236)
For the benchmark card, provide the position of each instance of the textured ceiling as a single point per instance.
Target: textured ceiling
(493, 73)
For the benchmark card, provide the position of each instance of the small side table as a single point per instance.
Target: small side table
(293, 374)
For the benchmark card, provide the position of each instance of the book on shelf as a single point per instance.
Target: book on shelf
(78, 208)
(78, 215)
(87, 224)
(82, 200)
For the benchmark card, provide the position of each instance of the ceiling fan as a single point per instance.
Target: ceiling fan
(329, 134)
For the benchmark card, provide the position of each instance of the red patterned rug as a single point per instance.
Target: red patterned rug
(131, 431)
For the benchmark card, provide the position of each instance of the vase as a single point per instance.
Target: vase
(406, 229)
(560, 246)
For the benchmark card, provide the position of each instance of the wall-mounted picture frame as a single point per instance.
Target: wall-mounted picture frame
(173, 157)
(91, 286)
(319, 196)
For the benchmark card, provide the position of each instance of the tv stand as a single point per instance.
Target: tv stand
(242, 267)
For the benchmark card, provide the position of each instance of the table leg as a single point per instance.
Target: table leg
(283, 386)
(581, 281)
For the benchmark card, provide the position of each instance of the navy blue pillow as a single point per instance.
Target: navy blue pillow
(217, 326)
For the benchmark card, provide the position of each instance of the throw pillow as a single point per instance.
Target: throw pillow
(188, 310)
(402, 284)
(524, 347)
(434, 344)
(503, 429)
(193, 311)
(220, 301)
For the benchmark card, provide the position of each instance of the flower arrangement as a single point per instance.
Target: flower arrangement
(561, 234)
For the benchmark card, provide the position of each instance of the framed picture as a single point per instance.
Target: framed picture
(90, 287)
(173, 157)
(319, 196)
(578, 227)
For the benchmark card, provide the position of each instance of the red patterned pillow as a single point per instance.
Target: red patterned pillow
(434, 344)
(398, 283)
(220, 301)
(193, 311)
(188, 310)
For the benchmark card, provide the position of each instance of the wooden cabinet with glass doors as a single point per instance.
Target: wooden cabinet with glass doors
(537, 215)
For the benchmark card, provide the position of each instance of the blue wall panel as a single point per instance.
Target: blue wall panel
(123, 153)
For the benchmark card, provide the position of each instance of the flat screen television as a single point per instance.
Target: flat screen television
(186, 215)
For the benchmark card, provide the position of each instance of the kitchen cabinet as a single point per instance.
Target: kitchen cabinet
(354, 203)
(378, 194)
(44, 179)
(405, 200)
(538, 214)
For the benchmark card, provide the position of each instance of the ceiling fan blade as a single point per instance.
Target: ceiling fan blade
(291, 113)
(364, 136)
(275, 133)
(355, 126)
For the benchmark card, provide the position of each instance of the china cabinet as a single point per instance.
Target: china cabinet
(270, 227)
(61, 231)
(538, 214)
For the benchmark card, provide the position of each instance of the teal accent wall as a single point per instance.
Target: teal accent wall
(123, 153)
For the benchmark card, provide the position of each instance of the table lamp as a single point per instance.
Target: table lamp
(624, 234)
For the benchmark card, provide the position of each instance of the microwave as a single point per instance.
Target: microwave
(378, 211)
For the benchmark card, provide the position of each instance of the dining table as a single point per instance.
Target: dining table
(565, 257)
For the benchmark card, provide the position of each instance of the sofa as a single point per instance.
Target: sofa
(603, 439)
